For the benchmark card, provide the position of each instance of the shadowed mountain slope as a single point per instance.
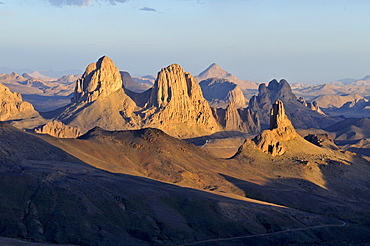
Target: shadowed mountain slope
(220, 92)
(352, 134)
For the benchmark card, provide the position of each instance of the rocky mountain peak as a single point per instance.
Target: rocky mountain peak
(213, 71)
(99, 80)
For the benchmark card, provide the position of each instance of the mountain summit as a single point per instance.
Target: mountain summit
(215, 71)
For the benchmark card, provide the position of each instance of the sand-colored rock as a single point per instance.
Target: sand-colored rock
(113, 112)
(177, 106)
(59, 130)
(99, 80)
(336, 101)
(13, 107)
(281, 129)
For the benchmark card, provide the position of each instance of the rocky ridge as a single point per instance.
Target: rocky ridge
(131, 84)
(311, 105)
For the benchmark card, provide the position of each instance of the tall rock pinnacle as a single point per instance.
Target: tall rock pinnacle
(178, 104)
(99, 80)
(281, 129)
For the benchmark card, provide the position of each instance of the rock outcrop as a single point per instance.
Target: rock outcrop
(99, 100)
(99, 80)
(59, 130)
(13, 107)
(177, 106)
(301, 116)
(281, 129)
(219, 92)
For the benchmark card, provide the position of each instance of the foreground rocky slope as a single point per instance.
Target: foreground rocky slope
(57, 198)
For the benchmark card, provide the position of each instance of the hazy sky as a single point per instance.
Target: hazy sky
(301, 40)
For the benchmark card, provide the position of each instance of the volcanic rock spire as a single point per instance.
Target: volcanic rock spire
(99, 80)
(281, 129)
(177, 105)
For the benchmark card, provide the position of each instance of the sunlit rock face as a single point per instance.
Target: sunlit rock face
(99, 80)
(12, 106)
(177, 105)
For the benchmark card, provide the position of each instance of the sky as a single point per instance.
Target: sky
(303, 41)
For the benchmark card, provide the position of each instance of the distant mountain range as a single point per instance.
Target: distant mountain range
(49, 73)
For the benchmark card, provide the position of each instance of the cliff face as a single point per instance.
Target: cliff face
(13, 107)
